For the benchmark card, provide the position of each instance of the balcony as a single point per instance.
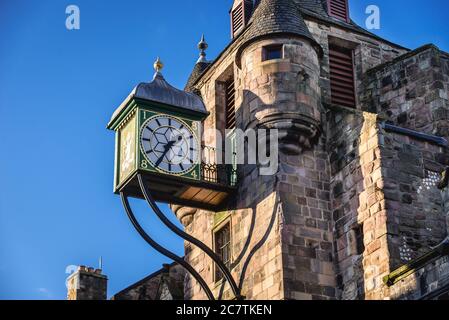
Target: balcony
(209, 192)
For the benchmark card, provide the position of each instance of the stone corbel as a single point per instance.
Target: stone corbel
(296, 133)
(184, 214)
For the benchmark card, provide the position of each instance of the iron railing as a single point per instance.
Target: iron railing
(213, 170)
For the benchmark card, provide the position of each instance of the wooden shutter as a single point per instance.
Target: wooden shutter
(338, 9)
(240, 16)
(342, 76)
(230, 104)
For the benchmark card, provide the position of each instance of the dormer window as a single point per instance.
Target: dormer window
(240, 15)
(338, 9)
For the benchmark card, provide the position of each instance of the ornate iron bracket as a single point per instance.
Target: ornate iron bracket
(185, 236)
(162, 250)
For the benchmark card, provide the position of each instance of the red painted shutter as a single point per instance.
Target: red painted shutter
(342, 76)
(338, 9)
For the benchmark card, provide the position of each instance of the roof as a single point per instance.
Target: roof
(285, 16)
(160, 91)
(197, 71)
(277, 16)
(317, 6)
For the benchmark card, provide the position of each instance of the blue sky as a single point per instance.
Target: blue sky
(58, 89)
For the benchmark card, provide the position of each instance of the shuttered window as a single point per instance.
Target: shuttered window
(338, 9)
(240, 16)
(237, 19)
(223, 249)
(342, 76)
(230, 104)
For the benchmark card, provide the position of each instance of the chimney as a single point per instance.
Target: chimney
(87, 284)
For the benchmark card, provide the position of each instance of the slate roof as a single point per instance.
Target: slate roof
(317, 6)
(277, 16)
(197, 71)
(284, 16)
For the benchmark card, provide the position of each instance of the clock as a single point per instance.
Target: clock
(169, 145)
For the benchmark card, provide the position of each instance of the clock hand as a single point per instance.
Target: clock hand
(167, 148)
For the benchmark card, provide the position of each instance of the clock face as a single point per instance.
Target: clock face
(169, 144)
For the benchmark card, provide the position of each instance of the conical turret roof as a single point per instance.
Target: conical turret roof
(277, 16)
(274, 17)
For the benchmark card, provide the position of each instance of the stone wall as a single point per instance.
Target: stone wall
(411, 91)
(415, 206)
(87, 284)
(424, 282)
(307, 238)
(256, 255)
(359, 216)
(369, 52)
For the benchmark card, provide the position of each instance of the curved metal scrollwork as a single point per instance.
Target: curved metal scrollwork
(162, 250)
(227, 274)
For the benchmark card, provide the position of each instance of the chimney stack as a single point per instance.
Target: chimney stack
(87, 284)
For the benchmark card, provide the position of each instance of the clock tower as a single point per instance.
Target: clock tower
(158, 135)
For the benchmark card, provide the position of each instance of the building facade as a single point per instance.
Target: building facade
(363, 124)
(358, 208)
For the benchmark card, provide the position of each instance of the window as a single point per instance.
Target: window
(223, 248)
(341, 63)
(240, 15)
(272, 52)
(230, 104)
(338, 9)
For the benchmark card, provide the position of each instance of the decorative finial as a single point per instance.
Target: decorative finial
(158, 65)
(203, 47)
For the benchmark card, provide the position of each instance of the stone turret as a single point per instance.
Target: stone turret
(87, 284)
(280, 65)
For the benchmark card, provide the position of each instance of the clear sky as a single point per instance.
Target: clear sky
(58, 89)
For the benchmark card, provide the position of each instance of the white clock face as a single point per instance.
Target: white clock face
(169, 144)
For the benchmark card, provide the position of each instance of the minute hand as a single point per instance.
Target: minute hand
(167, 148)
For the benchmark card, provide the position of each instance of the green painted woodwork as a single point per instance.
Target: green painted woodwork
(219, 217)
(129, 158)
(144, 164)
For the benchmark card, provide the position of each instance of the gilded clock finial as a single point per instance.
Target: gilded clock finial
(202, 45)
(158, 65)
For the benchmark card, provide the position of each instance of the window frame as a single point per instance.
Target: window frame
(216, 271)
(270, 48)
(336, 47)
